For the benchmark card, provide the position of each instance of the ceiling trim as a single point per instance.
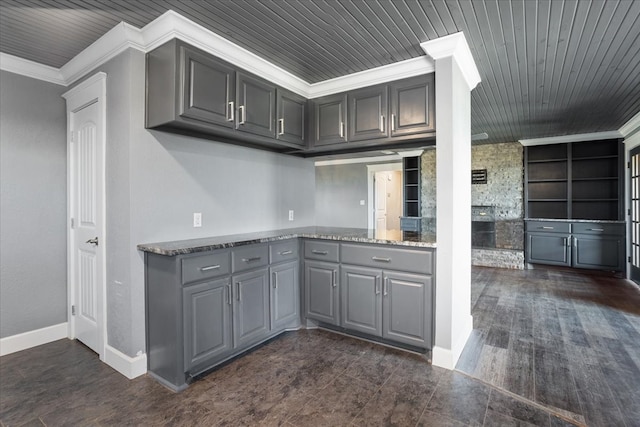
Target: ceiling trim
(456, 46)
(632, 126)
(24, 67)
(173, 25)
(571, 138)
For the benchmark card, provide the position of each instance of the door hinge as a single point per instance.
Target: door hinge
(629, 259)
(628, 165)
(73, 223)
(628, 211)
(73, 310)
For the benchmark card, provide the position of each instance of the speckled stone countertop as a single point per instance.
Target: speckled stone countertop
(597, 221)
(388, 237)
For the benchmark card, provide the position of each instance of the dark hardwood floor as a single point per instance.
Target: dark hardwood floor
(566, 339)
(549, 347)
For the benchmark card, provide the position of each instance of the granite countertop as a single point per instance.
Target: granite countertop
(597, 221)
(389, 237)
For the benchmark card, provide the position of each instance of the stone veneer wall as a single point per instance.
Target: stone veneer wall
(504, 190)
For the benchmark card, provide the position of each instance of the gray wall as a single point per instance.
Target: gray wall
(339, 189)
(33, 205)
(156, 181)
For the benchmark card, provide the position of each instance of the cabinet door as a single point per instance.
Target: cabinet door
(408, 308)
(291, 113)
(368, 111)
(284, 294)
(412, 106)
(330, 116)
(207, 89)
(251, 307)
(549, 248)
(207, 321)
(321, 291)
(598, 252)
(256, 105)
(361, 290)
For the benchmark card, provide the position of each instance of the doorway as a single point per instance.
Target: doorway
(385, 197)
(86, 118)
(634, 223)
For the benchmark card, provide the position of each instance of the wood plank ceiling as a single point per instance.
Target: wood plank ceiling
(548, 67)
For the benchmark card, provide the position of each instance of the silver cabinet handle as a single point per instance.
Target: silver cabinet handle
(229, 299)
(381, 123)
(547, 228)
(238, 289)
(285, 253)
(93, 241)
(378, 259)
(335, 278)
(385, 291)
(231, 112)
(393, 122)
(281, 127)
(241, 112)
(341, 129)
(317, 252)
(210, 267)
(255, 258)
(596, 229)
(377, 287)
(275, 280)
(575, 241)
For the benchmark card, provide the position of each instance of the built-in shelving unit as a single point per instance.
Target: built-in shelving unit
(411, 186)
(580, 180)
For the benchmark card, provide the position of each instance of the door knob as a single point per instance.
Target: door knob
(93, 241)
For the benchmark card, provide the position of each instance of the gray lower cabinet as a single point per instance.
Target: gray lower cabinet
(207, 321)
(598, 252)
(549, 248)
(251, 320)
(284, 294)
(361, 300)
(321, 291)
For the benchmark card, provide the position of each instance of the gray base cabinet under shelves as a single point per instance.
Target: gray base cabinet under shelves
(589, 245)
(205, 308)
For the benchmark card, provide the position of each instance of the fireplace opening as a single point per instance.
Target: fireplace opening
(483, 227)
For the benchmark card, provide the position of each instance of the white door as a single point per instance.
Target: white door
(380, 197)
(86, 210)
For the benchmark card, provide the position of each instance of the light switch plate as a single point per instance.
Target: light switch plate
(290, 215)
(197, 219)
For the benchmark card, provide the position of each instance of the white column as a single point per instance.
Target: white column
(456, 76)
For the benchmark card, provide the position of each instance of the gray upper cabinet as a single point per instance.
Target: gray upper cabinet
(407, 307)
(412, 106)
(368, 113)
(256, 105)
(284, 294)
(361, 290)
(251, 320)
(330, 120)
(207, 92)
(207, 321)
(291, 113)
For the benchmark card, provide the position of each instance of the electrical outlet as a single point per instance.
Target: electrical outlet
(361, 202)
(197, 219)
(290, 215)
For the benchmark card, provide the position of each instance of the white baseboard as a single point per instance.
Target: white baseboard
(448, 358)
(35, 338)
(130, 367)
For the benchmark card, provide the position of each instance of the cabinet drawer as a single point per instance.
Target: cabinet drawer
(598, 228)
(409, 260)
(248, 257)
(283, 251)
(320, 250)
(205, 266)
(549, 226)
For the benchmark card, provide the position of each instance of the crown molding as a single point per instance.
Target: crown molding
(571, 138)
(454, 45)
(631, 127)
(24, 67)
(173, 25)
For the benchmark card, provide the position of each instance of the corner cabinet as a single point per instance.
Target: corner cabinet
(330, 120)
(256, 105)
(291, 111)
(205, 308)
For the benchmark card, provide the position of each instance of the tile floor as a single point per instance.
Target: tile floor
(318, 378)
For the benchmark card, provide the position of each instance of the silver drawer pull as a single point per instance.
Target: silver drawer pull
(255, 258)
(378, 259)
(210, 267)
(281, 127)
(547, 228)
(317, 252)
(596, 229)
(286, 253)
